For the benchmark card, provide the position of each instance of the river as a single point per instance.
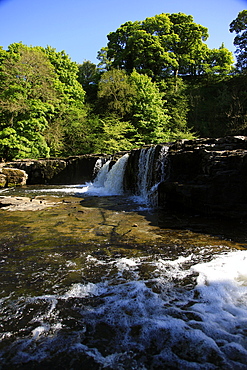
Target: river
(103, 281)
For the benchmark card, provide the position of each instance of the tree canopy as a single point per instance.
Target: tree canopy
(163, 45)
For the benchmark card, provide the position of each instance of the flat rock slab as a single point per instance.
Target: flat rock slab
(24, 203)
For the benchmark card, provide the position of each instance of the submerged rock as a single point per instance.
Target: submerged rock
(24, 203)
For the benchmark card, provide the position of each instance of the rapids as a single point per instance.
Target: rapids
(103, 281)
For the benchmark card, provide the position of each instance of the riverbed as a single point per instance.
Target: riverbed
(105, 282)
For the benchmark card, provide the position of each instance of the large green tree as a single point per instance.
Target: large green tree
(89, 76)
(42, 108)
(163, 45)
(239, 26)
(68, 130)
(27, 97)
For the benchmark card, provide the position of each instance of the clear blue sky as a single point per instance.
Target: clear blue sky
(80, 27)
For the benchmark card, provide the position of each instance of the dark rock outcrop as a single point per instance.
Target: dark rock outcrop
(72, 170)
(207, 176)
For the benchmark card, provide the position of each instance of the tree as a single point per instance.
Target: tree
(115, 135)
(67, 130)
(27, 95)
(218, 61)
(141, 46)
(149, 117)
(89, 76)
(175, 91)
(137, 100)
(239, 26)
(115, 93)
(187, 43)
(160, 46)
(67, 73)
(42, 103)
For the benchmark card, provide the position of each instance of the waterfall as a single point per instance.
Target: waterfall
(101, 175)
(98, 165)
(149, 169)
(151, 172)
(145, 167)
(110, 181)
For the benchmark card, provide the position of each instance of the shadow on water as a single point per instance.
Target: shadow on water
(223, 228)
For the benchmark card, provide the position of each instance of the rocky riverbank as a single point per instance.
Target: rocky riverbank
(207, 176)
(71, 170)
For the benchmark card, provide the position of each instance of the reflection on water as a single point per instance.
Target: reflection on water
(102, 282)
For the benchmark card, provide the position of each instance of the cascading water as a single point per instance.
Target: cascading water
(101, 175)
(98, 165)
(151, 171)
(109, 181)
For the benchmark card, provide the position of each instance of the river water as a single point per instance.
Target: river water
(102, 281)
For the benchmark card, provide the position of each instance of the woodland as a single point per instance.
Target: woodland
(156, 81)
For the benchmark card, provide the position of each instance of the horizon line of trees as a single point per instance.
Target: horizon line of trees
(156, 81)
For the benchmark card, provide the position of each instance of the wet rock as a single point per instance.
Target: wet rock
(207, 176)
(24, 203)
(10, 177)
(71, 170)
(3, 180)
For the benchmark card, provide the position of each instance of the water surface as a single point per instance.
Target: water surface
(103, 282)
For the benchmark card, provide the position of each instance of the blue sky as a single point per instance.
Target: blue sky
(80, 27)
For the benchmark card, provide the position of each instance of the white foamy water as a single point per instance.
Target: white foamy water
(109, 181)
(149, 314)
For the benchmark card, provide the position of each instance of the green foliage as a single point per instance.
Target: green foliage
(148, 114)
(39, 95)
(88, 77)
(218, 61)
(113, 135)
(175, 92)
(163, 45)
(26, 94)
(239, 26)
(134, 98)
(115, 93)
(218, 107)
(66, 131)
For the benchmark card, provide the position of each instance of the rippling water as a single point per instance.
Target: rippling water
(102, 282)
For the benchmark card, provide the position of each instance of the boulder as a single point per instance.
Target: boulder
(10, 177)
